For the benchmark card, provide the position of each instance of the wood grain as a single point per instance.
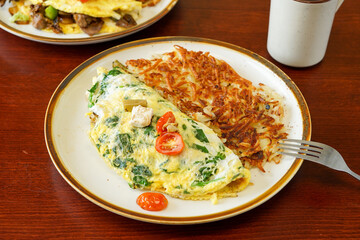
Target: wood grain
(319, 203)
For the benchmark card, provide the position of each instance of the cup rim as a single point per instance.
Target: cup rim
(312, 1)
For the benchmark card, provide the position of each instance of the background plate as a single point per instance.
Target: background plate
(78, 161)
(149, 15)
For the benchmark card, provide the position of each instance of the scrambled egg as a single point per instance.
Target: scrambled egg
(205, 169)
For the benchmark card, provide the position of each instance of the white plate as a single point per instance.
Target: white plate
(149, 15)
(78, 161)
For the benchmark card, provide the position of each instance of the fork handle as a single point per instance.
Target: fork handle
(355, 175)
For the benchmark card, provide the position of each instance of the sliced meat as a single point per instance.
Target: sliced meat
(82, 20)
(36, 8)
(88, 24)
(126, 21)
(39, 21)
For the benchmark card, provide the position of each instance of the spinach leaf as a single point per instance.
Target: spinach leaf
(130, 160)
(103, 137)
(119, 163)
(141, 181)
(141, 170)
(192, 121)
(107, 152)
(222, 147)
(123, 143)
(219, 156)
(197, 183)
(112, 121)
(201, 148)
(166, 171)
(206, 173)
(199, 134)
(122, 163)
(150, 130)
(94, 87)
(235, 176)
(91, 94)
(114, 72)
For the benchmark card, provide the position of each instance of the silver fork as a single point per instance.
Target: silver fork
(315, 152)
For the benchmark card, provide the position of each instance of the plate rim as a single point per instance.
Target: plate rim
(273, 190)
(89, 39)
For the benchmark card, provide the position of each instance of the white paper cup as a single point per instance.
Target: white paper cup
(299, 30)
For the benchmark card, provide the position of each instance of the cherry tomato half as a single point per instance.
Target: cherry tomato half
(83, 1)
(166, 118)
(152, 201)
(169, 143)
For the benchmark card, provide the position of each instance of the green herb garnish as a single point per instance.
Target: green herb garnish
(141, 170)
(201, 135)
(114, 72)
(197, 183)
(141, 181)
(112, 121)
(91, 94)
(123, 143)
(150, 130)
(201, 148)
(119, 163)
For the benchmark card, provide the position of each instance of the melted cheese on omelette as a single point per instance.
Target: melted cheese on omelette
(205, 169)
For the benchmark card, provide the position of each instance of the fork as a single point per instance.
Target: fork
(315, 152)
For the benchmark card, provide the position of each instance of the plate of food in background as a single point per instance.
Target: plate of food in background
(211, 114)
(80, 21)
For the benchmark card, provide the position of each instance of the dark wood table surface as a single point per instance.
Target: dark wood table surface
(318, 203)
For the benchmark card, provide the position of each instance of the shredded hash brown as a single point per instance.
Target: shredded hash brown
(247, 118)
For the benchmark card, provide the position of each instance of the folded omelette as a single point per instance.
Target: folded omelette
(205, 168)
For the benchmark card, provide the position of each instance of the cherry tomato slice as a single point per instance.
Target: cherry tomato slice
(166, 118)
(83, 1)
(169, 143)
(152, 201)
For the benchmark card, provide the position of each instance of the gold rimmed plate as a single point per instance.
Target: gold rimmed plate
(77, 160)
(149, 15)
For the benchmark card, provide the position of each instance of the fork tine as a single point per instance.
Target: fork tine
(307, 152)
(301, 156)
(310, 143)
(297, 146)
(315, 152)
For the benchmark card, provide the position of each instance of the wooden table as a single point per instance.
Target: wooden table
(36, 202)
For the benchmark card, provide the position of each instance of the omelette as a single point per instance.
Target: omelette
(78, 16)
(125, 115)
